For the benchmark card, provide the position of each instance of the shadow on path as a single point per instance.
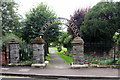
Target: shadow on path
(56, 61)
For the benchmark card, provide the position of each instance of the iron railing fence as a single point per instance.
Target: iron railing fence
(97, 49)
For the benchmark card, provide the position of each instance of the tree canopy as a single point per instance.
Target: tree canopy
(10, 19)
(101, 22)
(36, 18)
(77, 18)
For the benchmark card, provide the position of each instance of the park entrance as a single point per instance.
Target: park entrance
(38, 45)
(77, 43)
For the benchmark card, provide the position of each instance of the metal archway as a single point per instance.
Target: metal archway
(64, 21)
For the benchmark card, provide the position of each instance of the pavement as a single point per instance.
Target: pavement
(57, 68)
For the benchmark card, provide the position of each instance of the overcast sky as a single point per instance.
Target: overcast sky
(63, 8)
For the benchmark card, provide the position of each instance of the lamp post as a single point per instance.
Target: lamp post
(119, 39)
(114, 51)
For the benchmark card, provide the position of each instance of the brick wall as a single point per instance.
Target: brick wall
(4, 58)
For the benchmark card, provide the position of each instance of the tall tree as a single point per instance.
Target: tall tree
(10, 18)
(36, 19)
(77, 18)
(101, 22)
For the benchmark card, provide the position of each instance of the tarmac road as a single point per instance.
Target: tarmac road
(20, 78)
(23, 78)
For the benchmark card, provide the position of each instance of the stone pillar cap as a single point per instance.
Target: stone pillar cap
(13, 41)
(38, 40)
(77, 40)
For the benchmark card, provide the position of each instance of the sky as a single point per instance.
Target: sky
(63, 8)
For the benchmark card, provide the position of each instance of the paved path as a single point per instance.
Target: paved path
(56, 61)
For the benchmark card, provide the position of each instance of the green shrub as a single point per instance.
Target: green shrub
(107, 61)
(94, 60)
(101, 60)
(59, 48)
(9, 36)
(27, 63)
(48, 57)
(25, 52)
(118, 61)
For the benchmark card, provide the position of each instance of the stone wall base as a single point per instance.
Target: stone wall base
(74, 66)
(42, 65)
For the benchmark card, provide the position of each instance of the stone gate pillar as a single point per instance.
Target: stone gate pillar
(78, 50)
(14, 51)
(38, 52)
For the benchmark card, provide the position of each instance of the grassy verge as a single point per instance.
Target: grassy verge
(66, 58)
(54, 48)
(48, 57)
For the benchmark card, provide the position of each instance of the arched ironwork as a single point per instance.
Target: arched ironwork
(63, 21)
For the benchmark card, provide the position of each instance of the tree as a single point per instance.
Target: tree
(65, 40)
(35, 20)
(101, 22)
(10, 19)
(77, 18)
